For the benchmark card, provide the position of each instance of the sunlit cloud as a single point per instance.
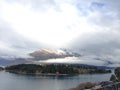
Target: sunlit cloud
(91, 27)
(52, 27)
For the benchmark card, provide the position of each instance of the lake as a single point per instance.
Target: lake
(10, 81)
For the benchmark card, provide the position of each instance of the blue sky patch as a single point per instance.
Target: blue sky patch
(97, 4)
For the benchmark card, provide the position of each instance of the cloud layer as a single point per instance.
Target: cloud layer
(90, 27)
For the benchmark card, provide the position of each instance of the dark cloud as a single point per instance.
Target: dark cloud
(99, 37)
(101, 46)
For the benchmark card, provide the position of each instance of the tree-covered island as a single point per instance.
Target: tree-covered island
(53, 69)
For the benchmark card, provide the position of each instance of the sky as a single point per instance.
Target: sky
(90, 27)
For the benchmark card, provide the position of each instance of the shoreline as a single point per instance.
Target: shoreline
(46, 74)
(49, 74)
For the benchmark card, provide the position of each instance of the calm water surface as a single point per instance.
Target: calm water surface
(9, 81)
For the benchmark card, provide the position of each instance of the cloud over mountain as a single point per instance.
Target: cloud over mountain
(50, 54)
(88, 27)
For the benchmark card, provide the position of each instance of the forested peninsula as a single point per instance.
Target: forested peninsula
(54, 69)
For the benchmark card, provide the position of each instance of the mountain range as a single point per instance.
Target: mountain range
(47, 55)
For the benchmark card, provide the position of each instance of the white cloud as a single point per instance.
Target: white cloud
(52, 27)
(90, 25)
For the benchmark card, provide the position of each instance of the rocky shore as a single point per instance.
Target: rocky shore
(113, 84)
(105, 85)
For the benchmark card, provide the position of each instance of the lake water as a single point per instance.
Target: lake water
(9, 81)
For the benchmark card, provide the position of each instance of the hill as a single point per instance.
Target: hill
(53, 69)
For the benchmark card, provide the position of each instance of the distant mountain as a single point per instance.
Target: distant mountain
(12, 61)
(92, 66)
(5, 61)
(40, 56)
(15, 61)
(49, 54)
(43, 54)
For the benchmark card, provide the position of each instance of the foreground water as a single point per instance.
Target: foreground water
(9, 81)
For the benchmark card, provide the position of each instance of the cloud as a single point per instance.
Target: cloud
(56, 25)
(12, 43)
(91, 27)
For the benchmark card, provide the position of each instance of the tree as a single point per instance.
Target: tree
(113, 78)
(117, 73)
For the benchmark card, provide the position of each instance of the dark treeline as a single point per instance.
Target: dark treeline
(1, 68)
(53, 69)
